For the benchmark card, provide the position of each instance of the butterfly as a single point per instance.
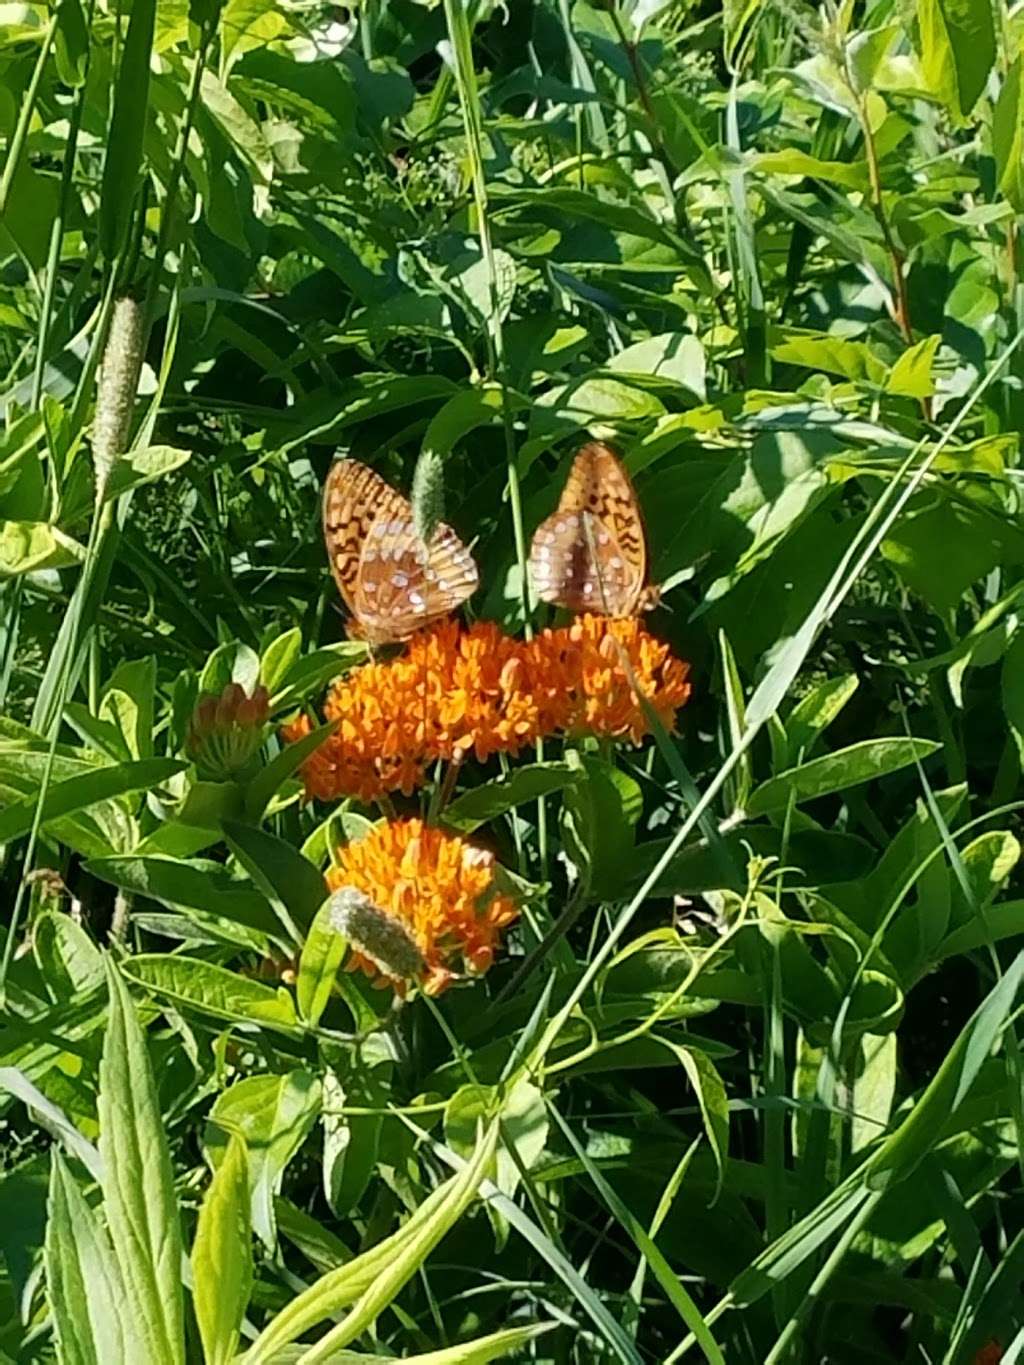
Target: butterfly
(591, 554)
(392, 581)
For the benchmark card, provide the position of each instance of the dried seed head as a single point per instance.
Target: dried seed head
(118, 384)
(376, 935)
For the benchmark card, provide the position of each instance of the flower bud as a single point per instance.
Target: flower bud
(226, 730)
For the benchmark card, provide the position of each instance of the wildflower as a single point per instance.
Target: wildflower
(480, 691)
(417, 903)
(225, 731)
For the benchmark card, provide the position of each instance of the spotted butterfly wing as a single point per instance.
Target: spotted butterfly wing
(591, 554)
(391, 580)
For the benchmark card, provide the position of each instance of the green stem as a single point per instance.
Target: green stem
(28, 108)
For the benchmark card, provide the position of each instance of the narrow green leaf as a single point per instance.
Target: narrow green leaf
(222, 1271)
(138, 1183)
(486, 802)
(213, 990)
(290, 882)
(318, 966)
(78, 793)
(84, 1286)
(862, 762)
(270, 779)
(123, 161)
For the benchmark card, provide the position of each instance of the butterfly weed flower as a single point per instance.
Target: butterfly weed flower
(599, 667)
(407, 888)
(226, 730)
(479, 691)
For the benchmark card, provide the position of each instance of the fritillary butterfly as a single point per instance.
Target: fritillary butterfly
(391, 580)
(591, 554)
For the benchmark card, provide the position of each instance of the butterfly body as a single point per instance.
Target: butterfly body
(392, 580)
(591, 553)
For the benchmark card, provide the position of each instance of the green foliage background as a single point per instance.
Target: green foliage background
(762, 1102)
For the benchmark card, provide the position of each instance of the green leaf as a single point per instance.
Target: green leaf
(278, 658)
(138, 1184)
(911, 376)
(231, 662)
(195, 884)
(375, 1277)
(835, 355)
(71, 43)
(490, 800)
(313, 672)
(122, 164)
(904, 1149)
(79, 793)
(222, 1270)
(213, 990)
(273, 1115)
(270, 779)
(84, 1287)
(27, 546)
(290, 882)
(812, 714)
(862, 762)
(1008, 137)
(676, 359)
(138, 467)
(318, 966)
(602, 809)
(957, 44)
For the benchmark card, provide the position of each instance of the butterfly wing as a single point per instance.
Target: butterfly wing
(591, 555)
(403, 584)
(391, 582)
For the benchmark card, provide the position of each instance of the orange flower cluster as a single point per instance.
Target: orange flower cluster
(480, 690)
(434, 898)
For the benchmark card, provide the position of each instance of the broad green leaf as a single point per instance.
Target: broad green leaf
(138, 467)
(599, 817)
(278, 658)
(911, 376)
(84, 1287)
(138, 1184)
(71, 43)
(272, 1115)
(128, 703)
(851, 175)
(195, 884)
(862, 762)
(231, 662)
(835, 355)
(290, 882)
(874, 1088)
(79, 793)
(27, 546)
(992, 925)
(957, 47)
(213, 990)
(481, 804)
(674, 358)
(222, 1270)
(67, 956)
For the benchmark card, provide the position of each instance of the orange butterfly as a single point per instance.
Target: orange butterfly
(392, 581)
(591, 554)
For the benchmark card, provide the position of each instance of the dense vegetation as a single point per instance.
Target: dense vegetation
(743, 1082)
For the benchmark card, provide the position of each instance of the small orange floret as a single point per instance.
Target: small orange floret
(439, 887)
(479, 690)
